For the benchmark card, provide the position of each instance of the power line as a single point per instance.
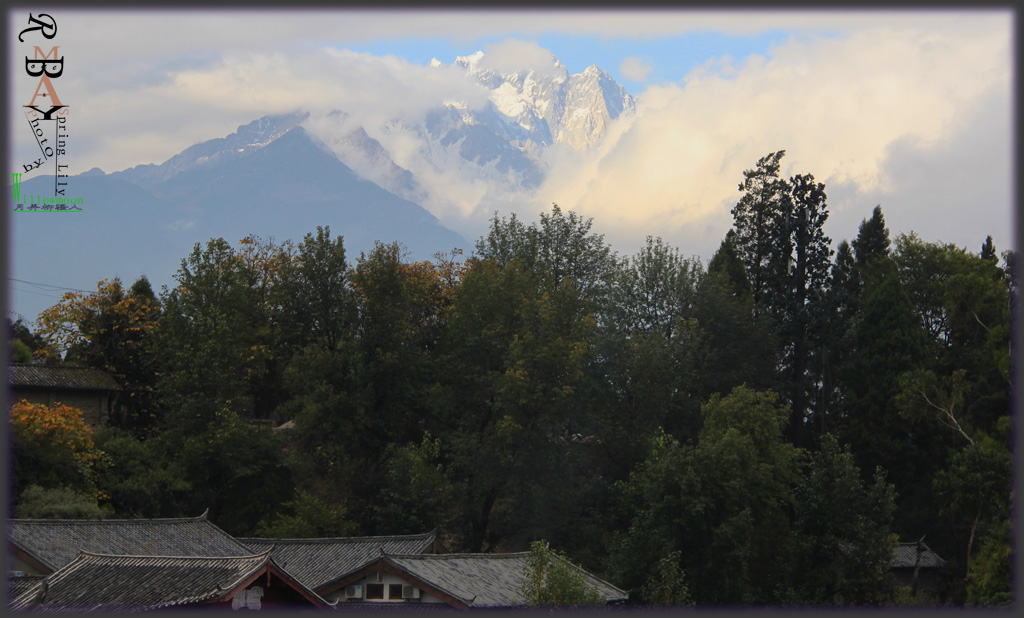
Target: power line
(47, 287)
(36, 293)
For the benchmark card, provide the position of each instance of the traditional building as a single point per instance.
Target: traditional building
(142, 564)
(458, 581)
(916, 566)
(90, 390)
(126, 583)
(38, 547)
(319, 563)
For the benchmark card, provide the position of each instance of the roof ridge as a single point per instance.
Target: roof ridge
(83, 552)
(53, 366)
(162, 520)
(333, 539)
(463, 555)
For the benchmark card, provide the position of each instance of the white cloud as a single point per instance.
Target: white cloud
(152, 122)
(513, 55)
(849, 110)
(635, 68)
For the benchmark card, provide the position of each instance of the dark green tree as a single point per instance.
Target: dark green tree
(560, 249)
(141, 476)
(418, 491)
(654, 290)
(841, 301)
(806, 316)
(57, 503)
(513, 354)
(761, 238)
(988, 251)
(842, 540)
(872, 240)
(732, 344)
(23, 341)
(724, 504)
(306, 517)
(208, 331)
(780, 238)
(887, 341)
(316, 295)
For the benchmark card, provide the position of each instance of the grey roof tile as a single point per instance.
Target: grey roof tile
(19, 584)
(905, 556)
(59, 377)
(95, 582)
(57, 542)
(316, 562)
(484, 580)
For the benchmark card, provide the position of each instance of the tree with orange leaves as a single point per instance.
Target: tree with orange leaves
(52, 447)
(110, 329)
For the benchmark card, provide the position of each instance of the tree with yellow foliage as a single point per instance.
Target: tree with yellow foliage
(52, 447)
(111, 329)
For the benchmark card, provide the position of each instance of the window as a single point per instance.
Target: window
(374, 591)
(394, 591)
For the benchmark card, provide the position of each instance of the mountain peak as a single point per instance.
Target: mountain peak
(471, 61)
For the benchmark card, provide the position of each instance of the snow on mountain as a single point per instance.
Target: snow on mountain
(455, 154)
(551, 105)
(593, 99)
(245, 140)
(365, 155)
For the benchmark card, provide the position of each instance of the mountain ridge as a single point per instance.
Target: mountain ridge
(281, 175)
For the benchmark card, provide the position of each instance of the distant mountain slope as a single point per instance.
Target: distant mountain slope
(281, 176)
(271, 178)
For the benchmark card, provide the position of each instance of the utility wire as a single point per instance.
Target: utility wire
(47, 287)
(36, 293)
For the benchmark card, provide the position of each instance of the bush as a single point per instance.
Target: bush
(58, 503)
(553, 581)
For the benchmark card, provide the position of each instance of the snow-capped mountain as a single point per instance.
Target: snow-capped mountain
(368, 178)
(246, 140)
(501, 142)
(550, 105)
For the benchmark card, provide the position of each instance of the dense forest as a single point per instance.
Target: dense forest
(758, 429)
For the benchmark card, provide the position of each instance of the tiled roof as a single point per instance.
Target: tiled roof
(905, 556)
(389, 608)
(62, 377)
(57, 542)
(316, 562)
(132, 583)
(19, 584)
(484, 580)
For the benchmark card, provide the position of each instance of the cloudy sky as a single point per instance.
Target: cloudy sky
(911, 110)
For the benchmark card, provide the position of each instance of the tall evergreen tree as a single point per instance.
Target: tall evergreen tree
(840, 308)
(732, 344)
(761, 239)
(888, 340)
(872, 240)
(806, 315)
(779, 236)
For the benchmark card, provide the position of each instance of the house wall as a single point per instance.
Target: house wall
(18, 564)
(93, 404)
(927, 579)
(386, 579)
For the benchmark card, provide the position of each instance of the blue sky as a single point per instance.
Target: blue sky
(670, 58)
